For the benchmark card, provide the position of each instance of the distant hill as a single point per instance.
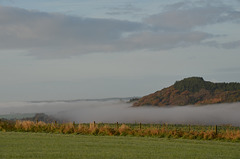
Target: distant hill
(32, 117)
(43, 117)
(193, 91)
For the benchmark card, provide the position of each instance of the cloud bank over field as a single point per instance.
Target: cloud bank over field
(119, 111)
(52, 35)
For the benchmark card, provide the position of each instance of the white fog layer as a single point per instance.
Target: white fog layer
(109, 111)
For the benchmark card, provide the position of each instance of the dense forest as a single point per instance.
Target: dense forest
(193, 91)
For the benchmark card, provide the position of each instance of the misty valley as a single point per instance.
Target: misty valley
(112, 111)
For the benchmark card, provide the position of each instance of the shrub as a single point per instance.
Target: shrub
(107, 130)
(124, 130)
(81, 129)
(68, 128)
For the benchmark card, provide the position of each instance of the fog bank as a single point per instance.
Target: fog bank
(109, 111)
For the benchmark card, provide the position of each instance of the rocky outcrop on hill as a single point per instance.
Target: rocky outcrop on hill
(193, 91)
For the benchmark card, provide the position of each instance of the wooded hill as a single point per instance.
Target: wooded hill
(193, 91)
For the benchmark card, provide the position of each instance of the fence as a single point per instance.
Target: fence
(120, 129)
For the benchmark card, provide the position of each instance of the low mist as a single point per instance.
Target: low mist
(110, 111)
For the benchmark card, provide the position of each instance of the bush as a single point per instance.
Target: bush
(124, 130)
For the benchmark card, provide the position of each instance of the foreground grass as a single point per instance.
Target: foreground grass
(51, 146)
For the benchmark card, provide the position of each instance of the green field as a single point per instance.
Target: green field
(46, 145)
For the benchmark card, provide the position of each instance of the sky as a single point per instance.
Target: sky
(78, 49)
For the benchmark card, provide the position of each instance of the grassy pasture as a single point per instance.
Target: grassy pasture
(29, 145)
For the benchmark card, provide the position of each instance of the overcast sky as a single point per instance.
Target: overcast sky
(77, 49)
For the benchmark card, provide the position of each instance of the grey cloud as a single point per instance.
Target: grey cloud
(56, 34)
(178, 5)
(11, 1)
(231, 45)
(123, 9)
(188, 18)
(164, 40)
(226, 45)
(229, 69)
(49, 35)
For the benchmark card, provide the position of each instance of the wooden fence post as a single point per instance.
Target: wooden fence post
(140, 126)
(117, 125)
(216, 129)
